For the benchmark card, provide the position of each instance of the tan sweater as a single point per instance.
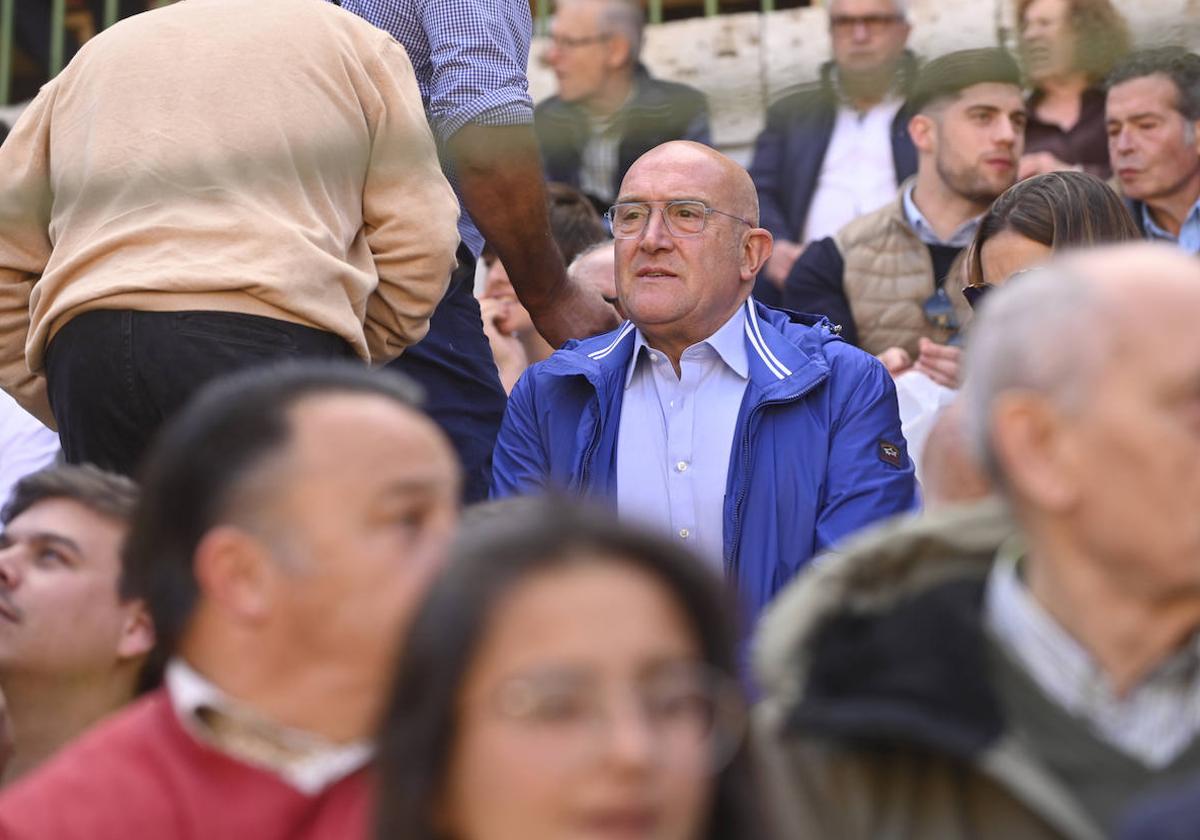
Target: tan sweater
(269, 157)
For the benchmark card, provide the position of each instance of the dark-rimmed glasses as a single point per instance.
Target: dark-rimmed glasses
(683, 217)
(566, 42)
(874, 24)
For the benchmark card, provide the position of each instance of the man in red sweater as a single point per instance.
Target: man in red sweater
(290, 518)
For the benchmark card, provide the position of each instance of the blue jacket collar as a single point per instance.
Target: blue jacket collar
(785, 349)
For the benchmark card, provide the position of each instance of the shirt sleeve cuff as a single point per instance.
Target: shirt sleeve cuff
(506, 106)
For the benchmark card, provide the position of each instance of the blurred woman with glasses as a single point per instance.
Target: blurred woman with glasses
(1067, 48)
(567, 677)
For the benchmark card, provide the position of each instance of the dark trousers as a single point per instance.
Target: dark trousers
(455, 366)
(115, 376)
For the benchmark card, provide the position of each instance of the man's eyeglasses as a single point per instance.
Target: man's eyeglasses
(683, 218)
(566, 42)
(846, 24)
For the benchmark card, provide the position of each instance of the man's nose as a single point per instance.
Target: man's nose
(860, 34)
(1007, 131)
(10, 566)
(657, 236)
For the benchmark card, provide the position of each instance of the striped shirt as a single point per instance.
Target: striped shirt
(469, 57)
(1154, 723)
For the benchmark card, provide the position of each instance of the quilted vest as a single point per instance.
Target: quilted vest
(888, 277)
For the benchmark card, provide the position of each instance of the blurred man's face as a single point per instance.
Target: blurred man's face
(369, 505)
(60, 616)
(868, 36)
(1154, 150)
(979, 139)
(581, 51)
(1134, 446)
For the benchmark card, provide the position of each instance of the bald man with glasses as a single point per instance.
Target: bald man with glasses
(755, 436)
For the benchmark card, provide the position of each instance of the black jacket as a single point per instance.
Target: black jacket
(659, 111)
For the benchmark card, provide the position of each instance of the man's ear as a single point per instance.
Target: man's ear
(1196, 135)
(922, 129)
(137, 632)
(756, 250)
(1031, 440)
(619, 52)
(235, 572)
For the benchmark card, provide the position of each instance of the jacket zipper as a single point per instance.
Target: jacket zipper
(732, 563)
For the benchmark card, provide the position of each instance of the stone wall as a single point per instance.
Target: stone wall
(743, 61)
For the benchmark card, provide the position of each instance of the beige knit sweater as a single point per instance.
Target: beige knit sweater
(269, 157)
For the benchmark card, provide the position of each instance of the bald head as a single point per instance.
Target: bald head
(726, 183)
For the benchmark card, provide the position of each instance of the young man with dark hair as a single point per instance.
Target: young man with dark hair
(72, 648)
(883, 277)
(292, 517)
(1153, 114)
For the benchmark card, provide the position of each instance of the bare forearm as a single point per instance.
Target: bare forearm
(500, 178)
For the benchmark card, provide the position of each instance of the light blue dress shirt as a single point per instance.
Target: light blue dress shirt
(961, 237)
(676, 434)
(1189, 232)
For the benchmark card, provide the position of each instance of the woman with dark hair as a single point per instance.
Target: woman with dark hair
(1033, 218)
(567, 676)
(1067, 48)
(1029, 221)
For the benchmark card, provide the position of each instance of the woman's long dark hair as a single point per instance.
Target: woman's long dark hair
(1057, 209)
(502, 545)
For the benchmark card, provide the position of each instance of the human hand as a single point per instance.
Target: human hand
(575, 312)
(940, 362)
(896, 360)
(783, 256)
(1039, 163)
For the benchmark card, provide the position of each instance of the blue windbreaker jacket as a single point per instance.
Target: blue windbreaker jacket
(817, 451)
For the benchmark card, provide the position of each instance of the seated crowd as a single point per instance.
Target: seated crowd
(438, 466)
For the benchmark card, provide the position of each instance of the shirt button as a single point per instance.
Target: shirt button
(654, 357)
(681, 466)
(684, 533)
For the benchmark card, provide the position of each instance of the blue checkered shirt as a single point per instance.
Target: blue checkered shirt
(469, 57)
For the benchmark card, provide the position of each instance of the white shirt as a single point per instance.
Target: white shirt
(1154, 723)
(26, 445)
(858, 174)
(676, 435)
(305, 761)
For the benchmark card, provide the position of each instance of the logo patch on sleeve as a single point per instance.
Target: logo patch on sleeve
(890, 453)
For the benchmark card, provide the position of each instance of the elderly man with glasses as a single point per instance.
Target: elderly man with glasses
(758, 437)
(608, 109)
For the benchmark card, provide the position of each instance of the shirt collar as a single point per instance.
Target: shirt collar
(1015, 617)
(728, 344)
(1152, 227)
(305, 761)
(961, 237)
